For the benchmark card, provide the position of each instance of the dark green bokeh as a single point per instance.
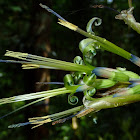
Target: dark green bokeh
(18, 33)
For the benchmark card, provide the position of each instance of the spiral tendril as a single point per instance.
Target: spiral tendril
(89, 93)
(88, 48)
(86, 102)
(77, 76)
(68, 80)
(96, 21)
(78, 60)
(73, 100)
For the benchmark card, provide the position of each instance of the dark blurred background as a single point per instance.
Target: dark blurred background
(26, 27)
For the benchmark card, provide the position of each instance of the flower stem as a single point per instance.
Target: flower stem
(106, 44)
(44, 62)
(45, 94)
(111, 102)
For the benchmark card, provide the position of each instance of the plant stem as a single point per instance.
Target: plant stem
(45, 94)
(106, 44)
(130, 3)
(44, 62)
(111, 102)
(103, 42)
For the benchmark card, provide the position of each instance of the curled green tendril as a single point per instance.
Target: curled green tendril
(68, 81)
(73, 100)
(89, 93)
(88, 48)
(86, 102)
(89, 79)
(97, 21)
(77, 76)
(88, 54)
(78, 60)
(84, 43)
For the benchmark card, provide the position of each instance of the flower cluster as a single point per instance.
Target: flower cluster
(101, 87)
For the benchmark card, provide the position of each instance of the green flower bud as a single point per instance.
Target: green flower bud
(136, 89)
(120, 77)
(131, 74)
(103, 83)
(128, 73)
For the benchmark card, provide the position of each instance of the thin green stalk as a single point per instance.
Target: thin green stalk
(45, 119)
(46, 94)
(111, 102)
(42, 61)
(24, 106)
(106, 44)
(103, 42)
(130, 3)
(55, 117)
(65, 113)
(41, 95)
